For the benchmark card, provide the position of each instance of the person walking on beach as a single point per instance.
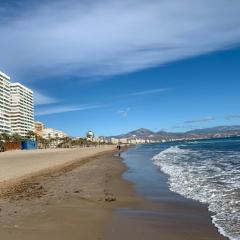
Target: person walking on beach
(119, 149)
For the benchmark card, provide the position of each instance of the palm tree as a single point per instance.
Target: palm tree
(31, 135)
(6, 137)
(44, 143)
(15, 137)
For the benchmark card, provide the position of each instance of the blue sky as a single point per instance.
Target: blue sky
(113, 66)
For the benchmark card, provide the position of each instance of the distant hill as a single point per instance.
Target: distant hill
(219, 129)
(141, 132)
(208, 132)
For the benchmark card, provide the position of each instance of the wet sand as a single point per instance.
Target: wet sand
(164, 214)
(154, 222)
(89, 199)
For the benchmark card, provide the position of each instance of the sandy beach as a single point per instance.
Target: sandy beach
(74, 199)
(86, 197)
(19, 164)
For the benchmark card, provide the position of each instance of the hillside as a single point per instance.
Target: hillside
(204, 132)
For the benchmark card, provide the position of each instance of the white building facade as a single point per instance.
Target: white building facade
(22, 109)
(16, 107)
(114, 140)
(5, 126)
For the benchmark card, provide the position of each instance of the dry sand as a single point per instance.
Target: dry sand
(19, 164)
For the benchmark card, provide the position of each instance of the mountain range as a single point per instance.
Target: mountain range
(220, 131)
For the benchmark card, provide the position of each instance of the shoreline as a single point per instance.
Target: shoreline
(91, 200)
(164, 213)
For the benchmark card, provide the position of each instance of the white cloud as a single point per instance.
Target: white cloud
(41, 99)
(124, 113)
(99, 38)
(63, 109)
(150, 91)
(206, 119)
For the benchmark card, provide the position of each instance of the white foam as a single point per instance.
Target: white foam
(208, 177)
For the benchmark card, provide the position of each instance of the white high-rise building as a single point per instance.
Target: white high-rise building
(4, 103)
(22, 109)
(16, 107)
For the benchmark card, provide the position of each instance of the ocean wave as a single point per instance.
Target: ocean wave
(211, 177)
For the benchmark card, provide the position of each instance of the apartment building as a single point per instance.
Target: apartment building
(4, 103)
(16, 107)
(21, 109)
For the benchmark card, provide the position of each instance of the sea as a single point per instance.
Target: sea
(207, 171)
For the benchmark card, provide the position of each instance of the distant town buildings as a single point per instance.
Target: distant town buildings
(168, 138)
(16, 107)
(51, 136)
(114, 140)
(130, 140)
(39, 127)
(101, 140)
(90, 136)
(51, 133)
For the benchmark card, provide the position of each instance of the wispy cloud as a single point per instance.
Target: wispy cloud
(232, 117)
(124, 113)
(150, 91)
(99, 38)
(62, 109)
(206, 119)
(41, 99)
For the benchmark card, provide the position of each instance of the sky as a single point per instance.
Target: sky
(115, 66)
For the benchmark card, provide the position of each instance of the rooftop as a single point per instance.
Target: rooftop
(17, 84)
(4, 75)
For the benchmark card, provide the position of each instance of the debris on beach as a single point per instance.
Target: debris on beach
(110, 199)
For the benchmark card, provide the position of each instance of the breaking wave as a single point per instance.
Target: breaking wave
(211, 176)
